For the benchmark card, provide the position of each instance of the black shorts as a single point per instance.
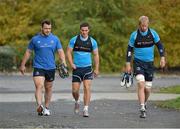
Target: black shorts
(48, 74)
(144, 68)
(84, 73)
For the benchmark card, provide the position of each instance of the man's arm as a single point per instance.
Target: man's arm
(62, 56)
(69, 56)
(24, 60)
(128, 58)
(161, 53)
(96, 62)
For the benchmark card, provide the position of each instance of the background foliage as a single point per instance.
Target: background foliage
(112, 22)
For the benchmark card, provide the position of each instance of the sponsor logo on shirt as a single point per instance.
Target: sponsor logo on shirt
(37, 73)
(51, 42)
(46, 45)
(138, 68)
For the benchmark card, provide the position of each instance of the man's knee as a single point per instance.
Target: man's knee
(39, 86)
(48, 85)
(148, 84)
(75, 91)
(140, 78)
(87, 89)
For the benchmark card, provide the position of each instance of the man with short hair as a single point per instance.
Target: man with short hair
(142, 43)
(82, 46)
(44, 45)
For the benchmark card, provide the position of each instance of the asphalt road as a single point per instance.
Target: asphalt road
(24, 84)
(112, 106)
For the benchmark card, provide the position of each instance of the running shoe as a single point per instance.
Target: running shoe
(85, 113)
(76, 108)
(129, 80)
(40, 110)
(145, 106)
(142, 114)
(123, 81)
(46, 112)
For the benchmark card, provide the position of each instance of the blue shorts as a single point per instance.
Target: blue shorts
(48, 74)
(144, 68)
(81, 74)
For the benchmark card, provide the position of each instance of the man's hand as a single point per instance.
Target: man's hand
(63, 70)
(73, 66)
(96, 73)
(162, 62)
(128, 67)
(24, 60)
(22, 69)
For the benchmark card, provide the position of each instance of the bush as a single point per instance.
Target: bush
(7, 62)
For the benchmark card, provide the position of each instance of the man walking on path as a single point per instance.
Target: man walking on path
(141, 46)
(82, 46)
(44, 44)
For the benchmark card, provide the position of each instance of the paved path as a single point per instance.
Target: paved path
(112, 106)
(29, 97)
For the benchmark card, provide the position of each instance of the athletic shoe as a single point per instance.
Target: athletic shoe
(76, 108)
(142, 114)
(123, 81)
(40, 110)
(85, 113)
(46, 112)
(145, 106)
(128, 81)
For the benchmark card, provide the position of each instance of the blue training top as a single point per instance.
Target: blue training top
(82, 59)
(44, 48)
(147, 53)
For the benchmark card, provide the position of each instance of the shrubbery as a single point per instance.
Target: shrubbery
(112, 22)
(7, 59)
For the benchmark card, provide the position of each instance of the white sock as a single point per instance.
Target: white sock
(85, 107)
(142, 106)
(78, 101)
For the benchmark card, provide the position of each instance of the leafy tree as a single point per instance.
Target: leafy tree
(112, 22)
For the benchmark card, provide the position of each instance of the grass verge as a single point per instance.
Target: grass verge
(172, 104)
(172, 89)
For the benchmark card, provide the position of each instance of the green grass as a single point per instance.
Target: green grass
(172, 89)
(171, 104)
(174, 103)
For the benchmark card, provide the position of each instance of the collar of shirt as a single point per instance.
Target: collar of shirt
(83, 39)
(144, 33)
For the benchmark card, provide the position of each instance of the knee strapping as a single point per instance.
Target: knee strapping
(140, 78)
(148, 84)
